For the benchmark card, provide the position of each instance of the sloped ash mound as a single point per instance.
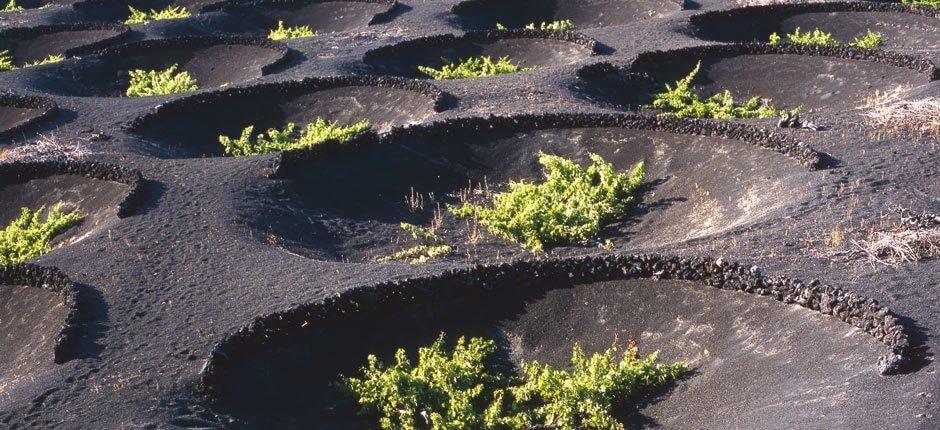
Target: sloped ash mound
(485, 14)
(828, 79)
(117, 11)
(31, 44)
(755, 362)
(345, 202)
(528, 48)
(192, 126)
(323, 16)
(99, 191)
(902, 27)
(39, 326)
(212, 62)
(18, 114)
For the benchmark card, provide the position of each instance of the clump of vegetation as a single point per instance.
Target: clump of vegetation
(50, 59)
(290, 138)
(6, 61)
(870, 40)
(431, 246)
(12, 6)
(815, 37)
(570, 205)
(461, 390)
(683, 101)
(158, 83)
(30, 236)
(927, 3)
(896, 110)
(559, 25)
(282, 32)
(418, 254)
(170, 12)
(475, 67)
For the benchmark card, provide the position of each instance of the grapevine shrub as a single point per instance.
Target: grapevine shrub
(12, 6)
(570, 205)
(870, 40)
(431, 246)
(289, 138)
(461, 390)
(30, 236)
(559, 25)
(158, 83)
(475, 67)
(282, 32)
(683, 101)
(141, 17)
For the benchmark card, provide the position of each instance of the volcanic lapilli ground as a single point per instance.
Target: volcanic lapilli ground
(160, 288)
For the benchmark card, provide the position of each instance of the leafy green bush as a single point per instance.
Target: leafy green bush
(282, 32)
(683, 101)
(475, 67)
(558, 25)
(570, 205)
(431, 246)
(6, 61)
(815, 37)
(275, 140)
(158, 83)
(13, 7)
(928, 3)
(50, 59)
(419, 254)
(170, 12)
(870, 40)
(29, 235)
(462, 390)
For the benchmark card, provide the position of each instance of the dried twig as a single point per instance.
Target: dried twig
(46, 148)
(894, 111)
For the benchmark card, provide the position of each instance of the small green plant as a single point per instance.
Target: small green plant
(13, 7)
(683, 101)
(927, 3)
(50, 59)
(158, 83)
(570, 205)
(6, 61)
(870, 40)
(282, 32)
(815, 37)
(559, 25)
(170, 12)
(289, 138)
(475, 67)
(419, 254)
(431, 246)
(462, 390)
(29, 235)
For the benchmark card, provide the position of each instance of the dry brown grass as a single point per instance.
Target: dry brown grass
(915, 238)
(46, 148)
(897, 247)
(893, 110)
